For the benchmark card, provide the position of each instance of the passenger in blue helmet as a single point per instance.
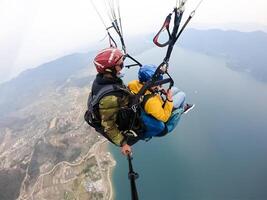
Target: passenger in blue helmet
(146, 72)
(161, 114)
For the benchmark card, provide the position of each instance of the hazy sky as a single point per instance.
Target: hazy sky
(37, 31)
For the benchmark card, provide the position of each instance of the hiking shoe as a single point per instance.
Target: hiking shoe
(188, 107)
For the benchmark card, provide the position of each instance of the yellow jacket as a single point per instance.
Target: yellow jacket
(154, 105)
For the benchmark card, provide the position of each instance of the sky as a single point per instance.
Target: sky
(33, 32)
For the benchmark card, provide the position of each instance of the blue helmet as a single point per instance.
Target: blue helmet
(146, 72)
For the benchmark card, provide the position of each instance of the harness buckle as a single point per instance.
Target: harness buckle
(130, 133)
(134, 107)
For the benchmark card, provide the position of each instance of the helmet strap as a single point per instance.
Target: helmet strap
(111, 71)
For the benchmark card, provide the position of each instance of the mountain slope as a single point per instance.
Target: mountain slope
(30, 84)
(243, 51)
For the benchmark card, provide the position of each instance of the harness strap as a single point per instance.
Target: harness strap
(104, 91)
(145, 99)
(164, 26)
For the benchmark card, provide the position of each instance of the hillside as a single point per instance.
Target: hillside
(244, 51)
(47, 151)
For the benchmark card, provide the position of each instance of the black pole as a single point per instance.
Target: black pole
(132, 176)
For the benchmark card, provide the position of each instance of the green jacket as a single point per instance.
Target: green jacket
(109, 106)
(108, 110)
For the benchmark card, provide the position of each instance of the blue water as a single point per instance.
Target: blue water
(218, 151)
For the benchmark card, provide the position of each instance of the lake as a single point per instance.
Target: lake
(218, 150)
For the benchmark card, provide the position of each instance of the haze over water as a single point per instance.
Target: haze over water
(218, 151)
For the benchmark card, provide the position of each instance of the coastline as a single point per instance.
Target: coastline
(110, 174)
(106, 149)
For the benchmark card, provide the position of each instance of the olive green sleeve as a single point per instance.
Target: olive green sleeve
(108, 110)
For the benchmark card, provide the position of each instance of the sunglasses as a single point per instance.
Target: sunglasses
(121, 65)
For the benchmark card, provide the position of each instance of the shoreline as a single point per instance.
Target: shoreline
(110, 174)
(105, 148)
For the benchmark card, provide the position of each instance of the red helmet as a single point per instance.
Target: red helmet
(107, 59)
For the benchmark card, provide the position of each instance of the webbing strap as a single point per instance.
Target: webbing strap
(100, 94)
(105, 90)
(177, 20)
(164, 26)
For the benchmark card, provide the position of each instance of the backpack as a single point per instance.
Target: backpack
(128, 118)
